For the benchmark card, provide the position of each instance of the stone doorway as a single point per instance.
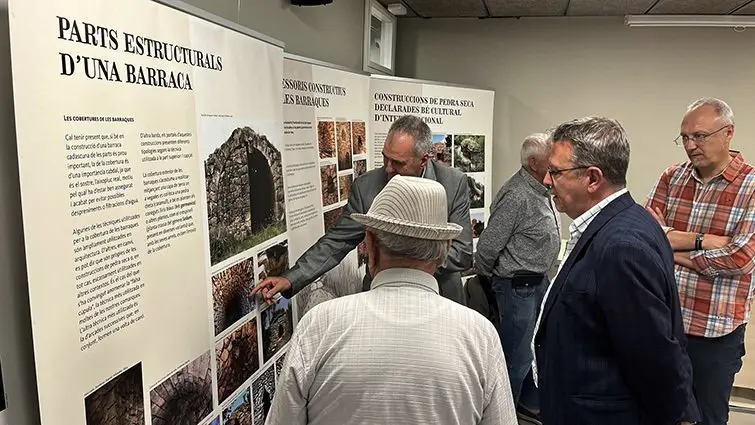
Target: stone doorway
(261, 190)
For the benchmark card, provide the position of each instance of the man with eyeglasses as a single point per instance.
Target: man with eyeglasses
(707, 209)
(609, 340)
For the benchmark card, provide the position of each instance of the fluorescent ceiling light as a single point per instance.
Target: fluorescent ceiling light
(728, 21)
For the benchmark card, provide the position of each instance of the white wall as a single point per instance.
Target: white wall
(546, 71)
(331, 33)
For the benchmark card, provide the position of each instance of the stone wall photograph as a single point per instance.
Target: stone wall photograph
(326, 139)
(329, 184)
(330, 218)
(245, 193)
(344, 186)
(232, 294)
(273, 261)
(343, 141)
(476, 183)
(120, 401)
(358, 138)
(263, 391)
(240, 411)
(237, 357)
(277, 328)
(360, 167)
(469, 153)
(441, 148)
(185, 398)
(279, 365)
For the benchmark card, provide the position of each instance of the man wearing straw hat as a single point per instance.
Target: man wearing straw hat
(399, 353)
(407, 153)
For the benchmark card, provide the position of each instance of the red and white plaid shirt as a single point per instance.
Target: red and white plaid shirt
(716, 300)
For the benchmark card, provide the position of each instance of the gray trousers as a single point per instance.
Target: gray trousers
(449, 284)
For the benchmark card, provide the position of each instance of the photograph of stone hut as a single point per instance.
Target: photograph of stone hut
(469, 153)
(184, 398)
(358, 138)
(343, 140)
(277, 328)
(263, 390)
(245, 200)
(326, 139)
(232, 294)
(329, 181)
(240, 411)
(237, 357)
(120, 401)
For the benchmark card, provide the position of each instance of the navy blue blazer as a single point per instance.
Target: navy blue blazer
(611, 347)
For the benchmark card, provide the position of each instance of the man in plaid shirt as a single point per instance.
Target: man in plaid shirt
(707, 208)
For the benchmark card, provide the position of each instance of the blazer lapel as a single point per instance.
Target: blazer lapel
(619, 204)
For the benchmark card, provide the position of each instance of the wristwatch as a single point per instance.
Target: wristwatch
(699, 242)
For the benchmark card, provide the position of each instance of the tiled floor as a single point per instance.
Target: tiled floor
(741, 419)
(735, 418)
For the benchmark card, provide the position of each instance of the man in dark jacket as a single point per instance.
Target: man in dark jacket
(609, 342)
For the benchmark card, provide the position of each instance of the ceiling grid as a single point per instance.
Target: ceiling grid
(522, 8)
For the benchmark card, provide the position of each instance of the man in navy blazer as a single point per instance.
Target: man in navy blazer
(609, 342)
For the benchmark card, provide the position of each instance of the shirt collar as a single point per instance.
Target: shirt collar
(579, 225)
(398, 277)
(730, 172)
(532, 181)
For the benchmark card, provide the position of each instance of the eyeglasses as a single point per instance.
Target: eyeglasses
(555, 171)
(698, 138)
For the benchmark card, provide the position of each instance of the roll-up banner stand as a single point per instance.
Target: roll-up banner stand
(150, 148)
(461, 119)
(326, 127)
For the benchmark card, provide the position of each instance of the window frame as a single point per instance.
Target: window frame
(373, 8)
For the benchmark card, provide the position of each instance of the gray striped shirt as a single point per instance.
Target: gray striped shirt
(523, 231)
(397, 354)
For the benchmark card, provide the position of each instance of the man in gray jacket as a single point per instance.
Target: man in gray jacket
(516, 250)
(407, 153)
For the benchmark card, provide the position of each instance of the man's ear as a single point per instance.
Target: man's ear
(594, 178)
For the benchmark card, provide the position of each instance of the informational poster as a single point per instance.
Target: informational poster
(326, 114)
(150, 147)
(462, 123)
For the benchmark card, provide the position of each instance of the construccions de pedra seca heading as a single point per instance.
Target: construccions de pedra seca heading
(96, 68)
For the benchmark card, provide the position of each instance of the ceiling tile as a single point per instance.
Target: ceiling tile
(448, 8)
(527, 7)
(747, 10)
(608, 7)
(696, 7)
(228, 9)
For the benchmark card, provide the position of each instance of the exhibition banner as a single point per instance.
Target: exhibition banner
(326, 114)
(461, 119)
(150, 146)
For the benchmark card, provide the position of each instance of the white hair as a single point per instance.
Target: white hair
(537, 144)
(411, 248)
(722, 109)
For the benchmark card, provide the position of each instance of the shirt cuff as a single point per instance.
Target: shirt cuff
(702, 263)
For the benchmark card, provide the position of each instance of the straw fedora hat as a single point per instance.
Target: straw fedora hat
(411, 206)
